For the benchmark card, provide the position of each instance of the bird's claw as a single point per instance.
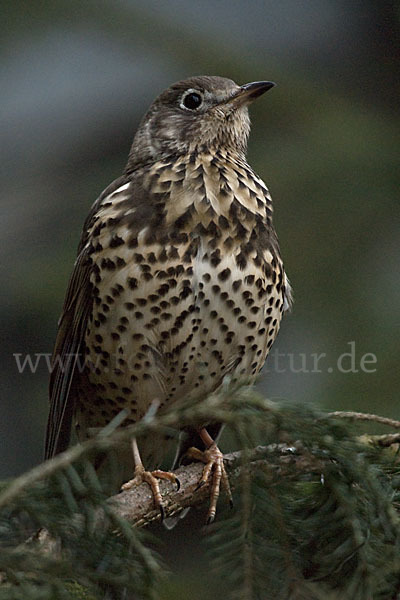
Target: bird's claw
(152, 479)
(214, 468)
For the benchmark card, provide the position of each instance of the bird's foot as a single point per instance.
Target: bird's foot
(152, 479)
(214, 467)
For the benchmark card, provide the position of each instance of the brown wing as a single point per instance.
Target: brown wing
(67, 353)
(70, 336)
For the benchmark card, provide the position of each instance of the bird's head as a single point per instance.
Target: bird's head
(197, 113)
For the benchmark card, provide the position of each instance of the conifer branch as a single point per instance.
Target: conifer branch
(314, 500)
(359, 416)
(136, 505)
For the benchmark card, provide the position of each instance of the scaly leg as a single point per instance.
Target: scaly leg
(214, 462)
(150, 477)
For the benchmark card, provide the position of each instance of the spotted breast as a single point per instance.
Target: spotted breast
(185, 297)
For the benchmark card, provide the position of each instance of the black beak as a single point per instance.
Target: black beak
(256, 89)
(250, 91)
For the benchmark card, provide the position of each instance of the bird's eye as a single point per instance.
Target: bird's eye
(192, 100)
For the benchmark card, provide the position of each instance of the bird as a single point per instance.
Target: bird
(178, 282)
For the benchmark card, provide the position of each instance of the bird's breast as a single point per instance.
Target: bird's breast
(176, 312)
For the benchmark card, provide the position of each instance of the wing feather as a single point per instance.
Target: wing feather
(72, 325)
(67, 353)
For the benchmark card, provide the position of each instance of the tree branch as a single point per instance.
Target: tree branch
(359, 416)
(137, 507)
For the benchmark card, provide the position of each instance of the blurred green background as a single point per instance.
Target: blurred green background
(75, 79)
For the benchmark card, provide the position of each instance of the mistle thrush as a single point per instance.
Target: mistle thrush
(178, 281)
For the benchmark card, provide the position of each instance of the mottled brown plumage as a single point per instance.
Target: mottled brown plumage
(179, 280)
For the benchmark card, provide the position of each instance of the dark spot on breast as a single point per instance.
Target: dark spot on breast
(215, 257)
(223, 222)
(165, 287)
(107, 264)
(236, 285)
(173, 253)
(163, 256)
(185, 293)
(241, 260)
(223, 275)
(132, 283)
(228, 243)
(116, 241)
(249, 279)
(241, 232)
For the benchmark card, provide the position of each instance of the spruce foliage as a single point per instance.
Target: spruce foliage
(315, 514)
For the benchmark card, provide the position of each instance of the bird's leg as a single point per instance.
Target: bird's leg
(214, 462)
(150, 477)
